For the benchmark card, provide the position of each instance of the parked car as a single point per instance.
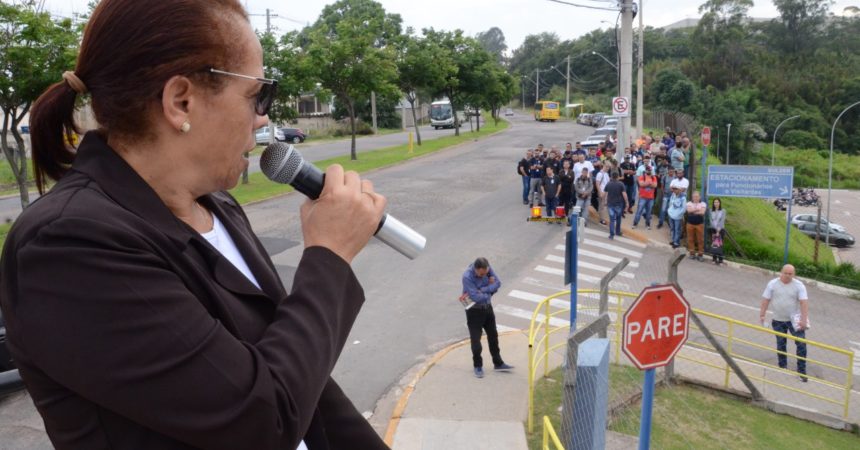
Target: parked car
(837, 238)
(294, 135)
(812, 218)
(609, 122)
(263, 137)
(603, 131)
(509, 112)
(593, 141)
(25, 129)
(584, 119)
(597, 118)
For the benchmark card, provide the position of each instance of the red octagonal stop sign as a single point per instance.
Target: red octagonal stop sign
(655, 326)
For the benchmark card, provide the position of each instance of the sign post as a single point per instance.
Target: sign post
(621, 107)
(765, 182)
(655, 328)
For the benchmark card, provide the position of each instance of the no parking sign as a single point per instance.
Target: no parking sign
(621, 106)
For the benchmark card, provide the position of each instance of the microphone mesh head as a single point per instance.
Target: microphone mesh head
(280, 162)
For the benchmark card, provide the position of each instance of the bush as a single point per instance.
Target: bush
(801, 139)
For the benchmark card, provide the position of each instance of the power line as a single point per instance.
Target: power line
(583, 6)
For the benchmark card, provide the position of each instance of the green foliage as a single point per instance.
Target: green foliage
(34, 52)
(802, 139)
(352, 48)
(285, 61)
(673, 90)
(493, 41)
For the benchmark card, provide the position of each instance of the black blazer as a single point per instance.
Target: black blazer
(131, 331)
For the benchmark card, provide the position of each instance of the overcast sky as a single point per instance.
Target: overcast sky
(516, 18)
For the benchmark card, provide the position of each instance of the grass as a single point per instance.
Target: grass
(811, 166)
(624, 381)
(260, 188)
(687, 417)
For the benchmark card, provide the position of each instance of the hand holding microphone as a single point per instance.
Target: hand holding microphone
(342, 202)
(345, 199)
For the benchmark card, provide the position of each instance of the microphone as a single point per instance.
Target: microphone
(284, 164)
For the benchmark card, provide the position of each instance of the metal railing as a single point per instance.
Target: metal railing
(551, 310)
(549, 436)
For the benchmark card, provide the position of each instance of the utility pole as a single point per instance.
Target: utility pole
(567, 98)
(640, 76)
(625, 50)
(523, 90)
(537, 85)
(373, 110)
(268, 20)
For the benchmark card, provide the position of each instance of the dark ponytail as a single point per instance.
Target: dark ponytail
(51, 127)
(158, 40)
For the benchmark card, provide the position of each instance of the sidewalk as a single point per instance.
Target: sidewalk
(448, 408)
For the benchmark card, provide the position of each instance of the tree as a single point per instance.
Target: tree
(284, 60)
(422, 66)
(493, 41)
(351, 48)
(673, 90)
(467, 57)
(799, 24)
(720, 54)
(34, 52)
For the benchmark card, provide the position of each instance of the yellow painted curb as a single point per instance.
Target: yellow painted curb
(407, 391)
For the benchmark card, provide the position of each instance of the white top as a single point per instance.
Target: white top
(602, 180)
(221, 240)
(785, 298)
(577, 168)
(682, 183)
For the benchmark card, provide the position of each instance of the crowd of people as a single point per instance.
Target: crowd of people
(650, 175)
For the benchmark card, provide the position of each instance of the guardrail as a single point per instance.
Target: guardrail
(550, 309)
(549, 435)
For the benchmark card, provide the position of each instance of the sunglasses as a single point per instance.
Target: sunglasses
(265, 97)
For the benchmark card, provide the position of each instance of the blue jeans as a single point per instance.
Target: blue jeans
(615, 220)
(644, 208)
(675, 225)
(551, 203)
(785, 327)
(631, 194)
(664, 207)
(525, 188)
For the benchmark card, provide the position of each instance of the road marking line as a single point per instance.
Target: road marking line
(855, 347)
(607, 258)
(614, 248)
(580, 278)
(621, 239)
(523, 314)
(588, 265)
(732, 303)
(544, 284)
(502, 328)
(526, 296)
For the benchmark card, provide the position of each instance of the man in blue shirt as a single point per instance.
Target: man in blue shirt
(479, 284)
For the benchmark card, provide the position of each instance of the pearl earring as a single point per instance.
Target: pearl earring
(186, 127)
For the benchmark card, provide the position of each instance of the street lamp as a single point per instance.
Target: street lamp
(830, 170)
(773, 146)
(604, 58)
(728, 147)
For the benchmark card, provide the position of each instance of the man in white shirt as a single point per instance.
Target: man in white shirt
(790, 314)
(581, 163)
(679, 185)
(601, 180)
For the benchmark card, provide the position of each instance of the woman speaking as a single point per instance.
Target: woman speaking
(141, 309)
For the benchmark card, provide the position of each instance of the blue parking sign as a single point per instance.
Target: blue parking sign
(750, 181)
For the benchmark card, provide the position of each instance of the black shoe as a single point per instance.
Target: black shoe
(803, 379)
(525, 202)
(503, 367)
(541, 204)
(479, 372)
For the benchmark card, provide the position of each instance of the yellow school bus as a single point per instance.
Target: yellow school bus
(546, 110)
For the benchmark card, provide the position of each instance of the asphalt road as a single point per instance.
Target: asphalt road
(844, 210)
(10, 206)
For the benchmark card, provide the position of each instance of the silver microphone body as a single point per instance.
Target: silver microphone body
(282, 163)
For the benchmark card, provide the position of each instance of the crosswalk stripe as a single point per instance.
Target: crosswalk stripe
(855, 346)
(526, 296)
(590, 254)
(621, 239)
(560, 272)
(614, 248)
(523, 314)
(588, 265)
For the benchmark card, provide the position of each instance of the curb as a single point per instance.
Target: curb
(396, 415)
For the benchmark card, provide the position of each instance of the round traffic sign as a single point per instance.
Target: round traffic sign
(655, 326)
(620, 105)
(706, 136)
